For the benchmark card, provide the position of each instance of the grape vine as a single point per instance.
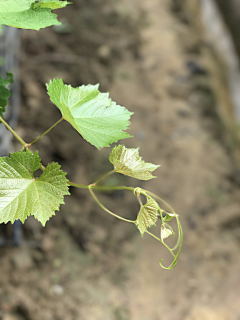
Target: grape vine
(99, 120)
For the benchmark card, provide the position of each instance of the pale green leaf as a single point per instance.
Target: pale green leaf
(147, 215)
(15, 5)
(93, 114)
(5, 93)
(21, 194)
(166, 231)
(53, 4)
(127, 161)
(29, 15)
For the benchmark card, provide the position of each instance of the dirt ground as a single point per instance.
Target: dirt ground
(90, 266)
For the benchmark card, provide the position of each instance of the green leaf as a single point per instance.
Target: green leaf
(166, 231)
(147, 215)
(168, 217)
(4, 92)
(22, 195)
(128, 162)
(53, 4)
(93, 114)
(29, 15)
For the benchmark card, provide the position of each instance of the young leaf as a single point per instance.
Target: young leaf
(166, 231)
(22, 195)
(4, 92)
(128, 162)
(53, 4)
(147, 215)
(92, 113)
(29, 14)
(169, 216)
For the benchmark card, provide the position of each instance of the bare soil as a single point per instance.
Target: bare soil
(90, 265)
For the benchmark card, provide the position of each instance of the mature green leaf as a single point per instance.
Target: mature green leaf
(92, 113)
(147, 215)
(128, 162)
(4, 92)
(29, 14)
(22, 195)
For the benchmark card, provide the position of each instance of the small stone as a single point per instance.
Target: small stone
(58, 290)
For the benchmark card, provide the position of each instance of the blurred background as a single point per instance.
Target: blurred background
(175, 64)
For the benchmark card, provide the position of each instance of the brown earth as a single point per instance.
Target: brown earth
(91, 266)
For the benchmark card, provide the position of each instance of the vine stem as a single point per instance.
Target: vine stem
(20, 140)
(180, 234)
(104, 208)
(155, 237)
(55, 124)
(163, 201)
(100, 188)
(103, 177)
